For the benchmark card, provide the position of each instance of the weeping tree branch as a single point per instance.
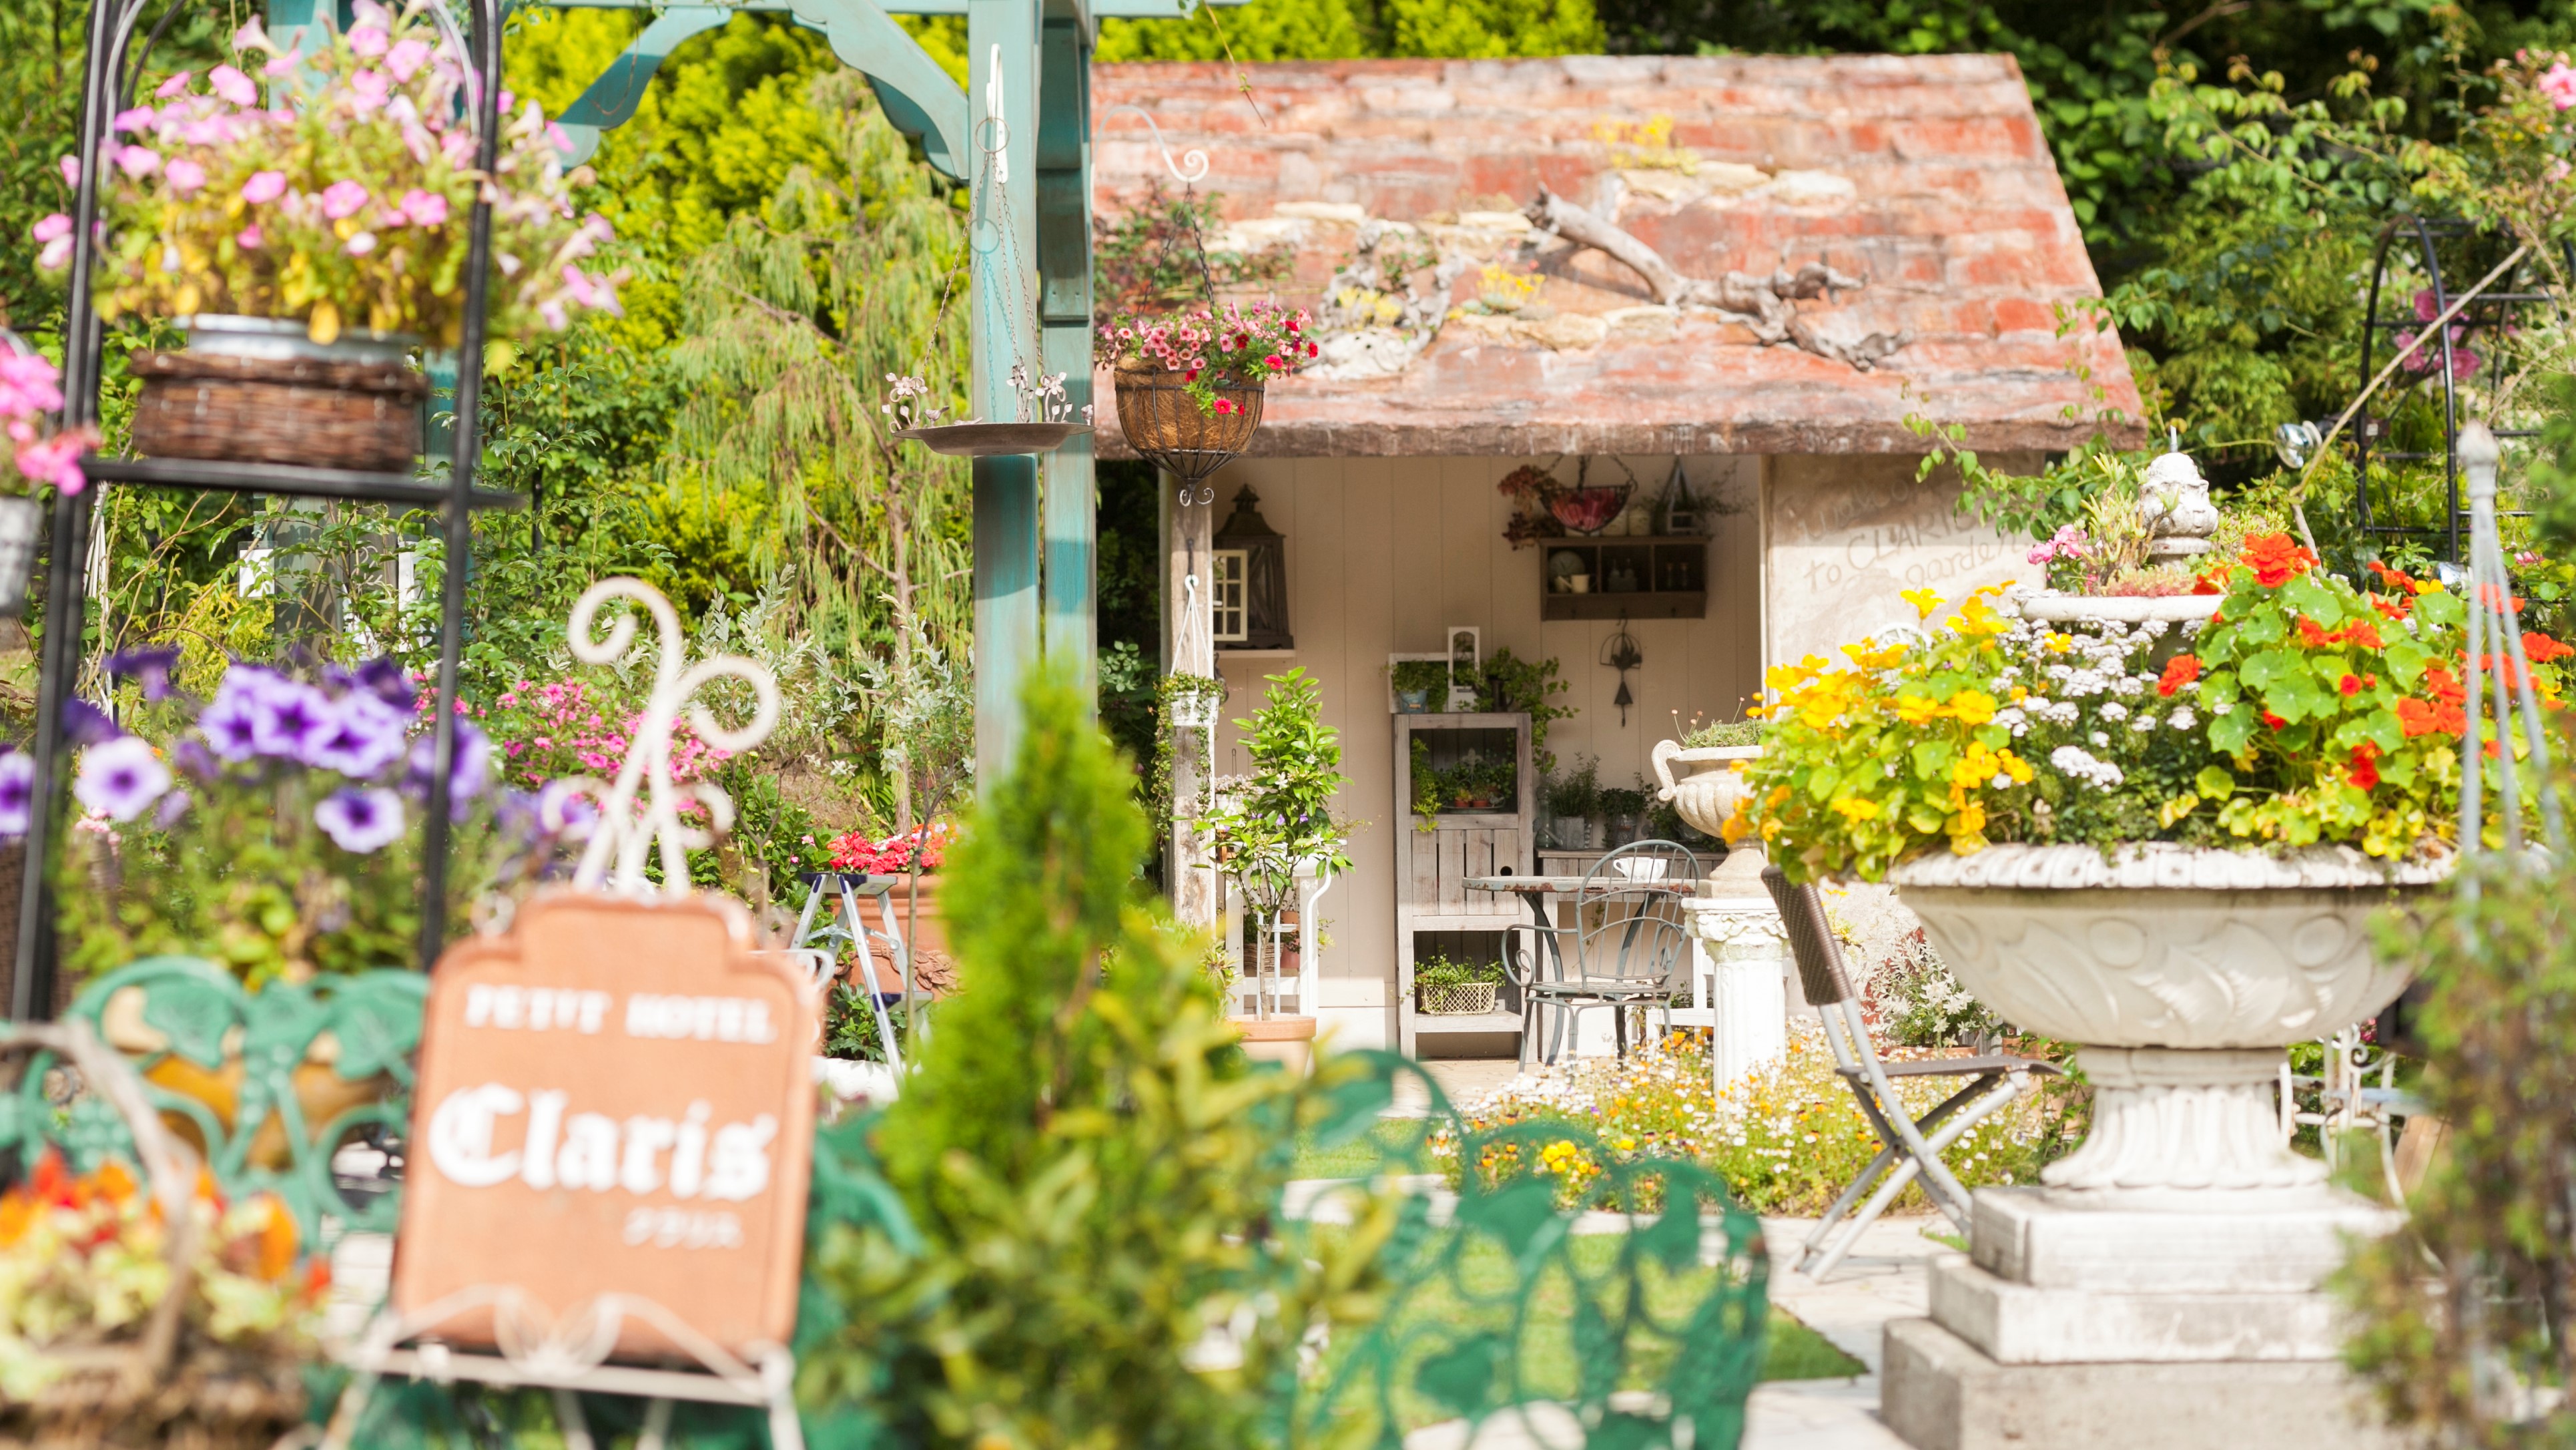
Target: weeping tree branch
(1760, 303)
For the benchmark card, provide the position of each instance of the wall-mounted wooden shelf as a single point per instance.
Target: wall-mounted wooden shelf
(1664, 578)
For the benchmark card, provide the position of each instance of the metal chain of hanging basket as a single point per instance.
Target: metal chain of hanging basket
(2498, 677)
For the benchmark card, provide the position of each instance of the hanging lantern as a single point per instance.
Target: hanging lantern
(1250, 597)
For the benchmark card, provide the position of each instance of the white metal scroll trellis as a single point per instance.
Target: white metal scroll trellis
(641, 810)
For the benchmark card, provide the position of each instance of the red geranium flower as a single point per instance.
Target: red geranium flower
(2275, 721)
(2423, 717)
(2181, 670)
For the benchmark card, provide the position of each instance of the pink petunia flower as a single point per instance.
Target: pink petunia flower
(137, 161)
(264, 187)
(2559, 85)
(250, 238)
(176, 85)
(369, 40)
(405, 60)
(252, 36)
(368, 90)
(424, 208)
(138, 119)
(233, 86)
(56, 255)
(187, 178)
(342, 199)
(70, 168)
(48, 228)
(283, 65)
(55, 461)
(28, 386)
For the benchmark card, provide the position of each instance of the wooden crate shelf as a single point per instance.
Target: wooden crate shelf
(1667, 578)
(1432, 867)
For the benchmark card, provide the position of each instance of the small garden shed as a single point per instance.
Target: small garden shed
(1751, 275)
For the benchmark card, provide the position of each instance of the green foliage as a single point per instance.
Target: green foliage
(1923, 1003)
(1578, 791)
(1268, 30)
(1439, 972)
(1281, 821)
(1429, 677)
(850, 1026)
(1722, 733)
(1094, 1197)
(1154, 257)
(1512, 685)
(2470, 1349)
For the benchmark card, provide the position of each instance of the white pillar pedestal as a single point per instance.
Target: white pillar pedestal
(1739, 970)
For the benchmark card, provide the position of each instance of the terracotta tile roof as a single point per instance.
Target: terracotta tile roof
(1925, 176)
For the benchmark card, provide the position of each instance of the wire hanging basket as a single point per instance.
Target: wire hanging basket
(1164, 425)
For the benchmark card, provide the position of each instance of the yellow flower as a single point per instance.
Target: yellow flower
(1914, 709)
(1972, 707)
(1926, 603)
(1856, 807)
(1878, 657)
(2016, 767)
(1976, 617)
(2059, 643)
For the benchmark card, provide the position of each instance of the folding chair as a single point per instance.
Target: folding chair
(1913, 1146)
(844, 929)
(1626, 948)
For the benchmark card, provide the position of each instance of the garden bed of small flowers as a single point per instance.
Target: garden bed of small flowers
(1786, 1140)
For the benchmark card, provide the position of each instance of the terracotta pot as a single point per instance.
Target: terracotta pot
(1288, 1041)
(924, 929)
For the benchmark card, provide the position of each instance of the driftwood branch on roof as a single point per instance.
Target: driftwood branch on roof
(1760, 303)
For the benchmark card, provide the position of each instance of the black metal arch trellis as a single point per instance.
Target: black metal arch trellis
(113, 68)
(2491, 314)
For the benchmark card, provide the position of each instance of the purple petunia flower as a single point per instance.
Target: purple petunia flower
(192, 756)
(173, 806)
(361, 736)
(288, 717)
(361, 821)
(85, 724)
(231, 723)
(467, 775)
(387, 680)
(149, 665)
(566, 810)
(17, 791)
(120, 778)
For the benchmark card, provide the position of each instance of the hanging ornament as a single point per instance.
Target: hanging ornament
(1620, 653)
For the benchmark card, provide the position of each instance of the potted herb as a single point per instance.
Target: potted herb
(1286, 846)
(1443, 988)
(30, 391)
(1624, 810)
(1416, 683)
(2173, 863)
(1191, 383)
(1573, 801)
(309, 239)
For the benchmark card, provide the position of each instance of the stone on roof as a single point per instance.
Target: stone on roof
(1397, 195)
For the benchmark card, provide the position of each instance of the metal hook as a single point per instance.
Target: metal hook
(1197, 159)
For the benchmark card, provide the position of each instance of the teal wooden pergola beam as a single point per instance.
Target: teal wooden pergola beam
(1020, 136)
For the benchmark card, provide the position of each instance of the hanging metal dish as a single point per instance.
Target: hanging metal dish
(989, 440)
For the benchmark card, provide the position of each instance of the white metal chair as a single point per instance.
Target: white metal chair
(1627, 947)
(1913, 1146)
(2349, 1101)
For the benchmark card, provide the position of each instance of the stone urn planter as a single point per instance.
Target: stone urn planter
(1742, 950)
(2184, 1233)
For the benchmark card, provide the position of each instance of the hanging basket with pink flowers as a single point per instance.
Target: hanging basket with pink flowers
(1191, 384)
(304, 216)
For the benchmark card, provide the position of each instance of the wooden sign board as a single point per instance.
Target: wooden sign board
(615, 1098)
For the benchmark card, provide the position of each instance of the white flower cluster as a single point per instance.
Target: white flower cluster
(2073, 761)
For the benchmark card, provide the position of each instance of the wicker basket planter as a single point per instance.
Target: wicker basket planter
(252, 390)
(1165, 427)
(1466, 999)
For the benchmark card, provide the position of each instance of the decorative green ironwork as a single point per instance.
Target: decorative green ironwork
(1499, 1304)
(184, 1010)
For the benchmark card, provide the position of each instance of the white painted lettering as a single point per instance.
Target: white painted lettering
(460, 1136)
(589, 1156)
(545, 1124)
(739, 1167)
(645, 1137)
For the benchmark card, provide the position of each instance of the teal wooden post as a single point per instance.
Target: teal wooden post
(1002, 104)
(1064, 280)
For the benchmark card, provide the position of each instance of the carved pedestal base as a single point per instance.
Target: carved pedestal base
(2190, 1131)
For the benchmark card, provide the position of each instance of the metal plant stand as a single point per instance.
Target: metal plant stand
(115, 65)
